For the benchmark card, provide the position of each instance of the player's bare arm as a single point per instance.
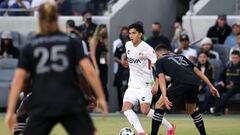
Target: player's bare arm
(205, 79)
(17, 84)
(94, 80)
(163, 87)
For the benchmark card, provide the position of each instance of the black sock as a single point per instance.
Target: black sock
(156, 121)
(197, 119)
(21, 122)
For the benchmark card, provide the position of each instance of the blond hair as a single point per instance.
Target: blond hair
(48, 18)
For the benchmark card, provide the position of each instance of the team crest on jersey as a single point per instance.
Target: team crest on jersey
(128, 51)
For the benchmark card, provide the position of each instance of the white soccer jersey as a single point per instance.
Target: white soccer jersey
(140, 59)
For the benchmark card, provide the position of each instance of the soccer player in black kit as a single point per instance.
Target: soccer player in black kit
(185, 80)
(52, 58)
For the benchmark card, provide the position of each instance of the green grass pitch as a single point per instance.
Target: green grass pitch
(224, 125)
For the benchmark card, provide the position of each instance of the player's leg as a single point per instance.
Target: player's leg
(78, 124)
(39, 125)
(130, 98)
(191, 99)
(21, 120)
(173, 91)
(145, 99)
(157, 116)
(22, 115)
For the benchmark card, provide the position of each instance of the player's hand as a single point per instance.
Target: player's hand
(10, 121)
(102, 104)
(167, 103)
(214, 91)
(155, 88)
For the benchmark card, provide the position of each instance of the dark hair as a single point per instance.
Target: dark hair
(157, 23)
(86, 11)
(137, 27)
(70, 23)
(238, 34)
(235, 52)
(203, 52)
(123, 28)
(3, 48)
(161, 47)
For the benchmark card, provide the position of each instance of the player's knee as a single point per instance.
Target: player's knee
(145, 110)
(190, 110)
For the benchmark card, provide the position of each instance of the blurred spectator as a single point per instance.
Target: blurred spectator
(231, 40)
(207, 69)
(73, 32)
(119, 80)
(177, 32)
(229, 82)
(237, 45)
(3, 5)
(35, 4)
(219, 32)
(158, 38)
(64, 7)
(185, 50)
(123, 36)
(207, 46)
(88, 28)
(7, 50)
(99, 52)
(19, 4)
(97, 6)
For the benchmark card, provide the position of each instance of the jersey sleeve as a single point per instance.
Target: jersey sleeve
(78, 49)
(159, 67)
(25, 58)
(151, 55)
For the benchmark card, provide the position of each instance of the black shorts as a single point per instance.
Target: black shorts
(75, 124)
(188, 91)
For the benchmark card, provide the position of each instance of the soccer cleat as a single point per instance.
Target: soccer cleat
(172, 130)
(142, 134)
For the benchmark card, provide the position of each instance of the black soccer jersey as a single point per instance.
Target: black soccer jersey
(51, 61)
(178, 67)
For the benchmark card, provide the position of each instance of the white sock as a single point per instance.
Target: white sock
(133, 120)
(165, 123)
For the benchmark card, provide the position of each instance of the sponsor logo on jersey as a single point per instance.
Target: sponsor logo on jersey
(132, 60)
(128, 51)
(143, 98)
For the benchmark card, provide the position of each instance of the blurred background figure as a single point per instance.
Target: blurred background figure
(157, 37)
(120, 80)
(19, 4)
(64, 7)
(119, 42)
(231, 40)
(219, 32)
(88, 27)
(229, 82)
(185, 50)
(236, 46)
(207, 69)
(207, 47)
(7, 50)
(178, 30)
(99, 54)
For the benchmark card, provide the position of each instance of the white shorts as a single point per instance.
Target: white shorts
(133, 95)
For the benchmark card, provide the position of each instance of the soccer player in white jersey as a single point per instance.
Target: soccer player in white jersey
(140, 57)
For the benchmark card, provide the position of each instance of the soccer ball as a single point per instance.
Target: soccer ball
(126, 131)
